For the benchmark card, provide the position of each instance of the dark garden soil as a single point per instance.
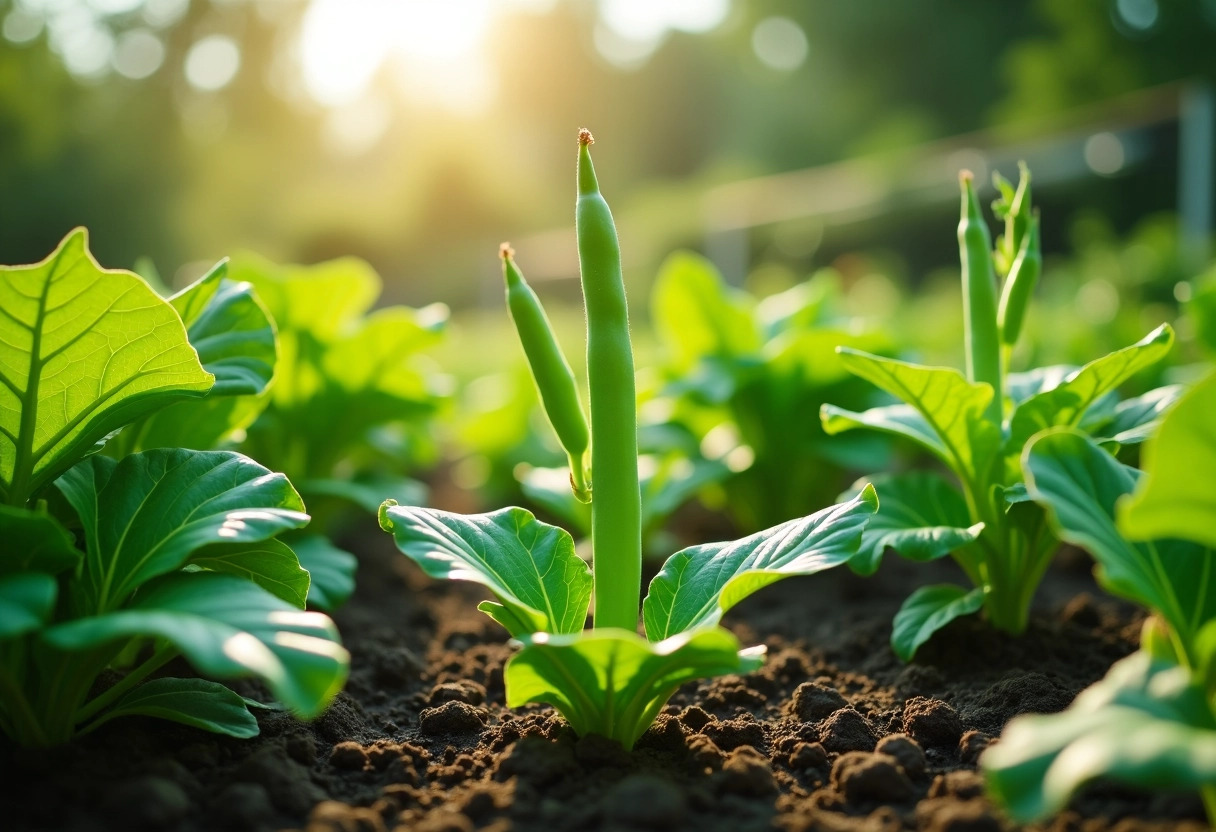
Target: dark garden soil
(832, 734)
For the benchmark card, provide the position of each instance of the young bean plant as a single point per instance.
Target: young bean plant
(608, 680)
(1151, 721)
(125, 563)
(978, 424)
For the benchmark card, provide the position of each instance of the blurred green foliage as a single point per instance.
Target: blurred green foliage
(161, 168)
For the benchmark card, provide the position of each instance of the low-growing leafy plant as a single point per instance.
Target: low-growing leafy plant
(752, 370)
(977, 424)
(609, 680)
(1151, 721)
(128, 563)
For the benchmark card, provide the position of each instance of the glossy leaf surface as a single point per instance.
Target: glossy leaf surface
(697, 585)
(147, 514)
(227, 627)
(531, 567)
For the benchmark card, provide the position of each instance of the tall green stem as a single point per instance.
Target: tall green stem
(616, 505)
(979, 299)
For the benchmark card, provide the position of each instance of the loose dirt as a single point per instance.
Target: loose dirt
(832, 734)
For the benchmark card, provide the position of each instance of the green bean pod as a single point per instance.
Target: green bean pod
(1019, 286)
(550, 370)
(616, 527)
(983, 349)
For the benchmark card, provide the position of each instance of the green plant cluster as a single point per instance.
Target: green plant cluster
(977, 424)
(154, 450)
(1152, 721)
(128, 559)
(608, 679)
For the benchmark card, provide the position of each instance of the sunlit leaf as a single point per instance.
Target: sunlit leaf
(697, 585)
(1066, 403)
(83, 351)
(148, 513)
(613, 682)
(531, 567)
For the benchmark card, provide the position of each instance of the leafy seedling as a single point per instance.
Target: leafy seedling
(609, 680)
(977, 424)
(128, 563)
(1150, 722)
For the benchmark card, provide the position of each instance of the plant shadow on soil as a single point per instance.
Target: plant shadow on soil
(833, 733)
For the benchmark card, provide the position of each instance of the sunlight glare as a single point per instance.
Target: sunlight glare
(435, 45)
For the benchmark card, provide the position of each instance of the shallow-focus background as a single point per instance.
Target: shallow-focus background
(776, 137)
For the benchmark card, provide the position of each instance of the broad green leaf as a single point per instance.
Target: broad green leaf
(613, 682)
(543, 586)
(34, 541)
(227, 627)
(1021, 386)
(920, 515)
(332, 571)
(696, 315)
(898, 419)
(1178, 495)
(271, 564)
(1146, 724)
(697, 585)
(148, 513)
(1079, 485)
(27, 600)
(1136, 420)
(1066, 404)
(83, 351)
(952, 407)
(236, 342)
(194, 702)
(366, 492)
(926, 611)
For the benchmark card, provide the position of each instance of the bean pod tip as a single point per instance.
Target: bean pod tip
(505, 251)
(585, 137)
